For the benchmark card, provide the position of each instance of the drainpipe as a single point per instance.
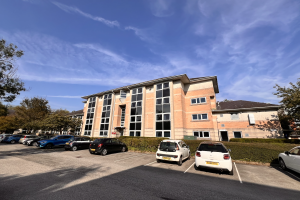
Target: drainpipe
(112, 121)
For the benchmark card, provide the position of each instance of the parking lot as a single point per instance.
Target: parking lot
(33, 173)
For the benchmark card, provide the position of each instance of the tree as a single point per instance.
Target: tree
(8, 123)
(3, 109)
(290, 100)
(10, 84)
(31, 113)
(56, 121)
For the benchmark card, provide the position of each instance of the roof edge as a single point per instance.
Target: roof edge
(247, 109)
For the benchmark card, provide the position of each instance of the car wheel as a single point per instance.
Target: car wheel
(231, 172)
(195, 166)
(12, 142)
(157, 160)
(74, 148)
(282, 164)
(123, 149)
(49, 146)
(189, 156)
(104, 152)
(180, 161)
(34, 144)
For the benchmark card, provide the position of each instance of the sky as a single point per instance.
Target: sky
(74, 48)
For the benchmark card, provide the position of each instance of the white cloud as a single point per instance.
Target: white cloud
(161, 8)
(143, 34)
(73, 9)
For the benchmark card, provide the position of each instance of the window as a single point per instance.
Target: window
(199, 117)
(234, 116)
(163, 110)
(122, 94)
(135, 125)
(237, 134)
(295, 151)
(122, 116)
(89, 117)
(105, 115)
(222, 125)
(202, 134)
(198, 100)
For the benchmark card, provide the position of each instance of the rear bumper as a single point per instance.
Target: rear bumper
(225, 165)
(168, 157)
(97, 150)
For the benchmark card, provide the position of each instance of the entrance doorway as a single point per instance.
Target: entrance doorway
(224, 135)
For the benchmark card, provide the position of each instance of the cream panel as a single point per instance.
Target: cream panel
(198, 86)
(262, 115)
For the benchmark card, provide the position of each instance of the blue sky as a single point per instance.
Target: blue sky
(74, 48)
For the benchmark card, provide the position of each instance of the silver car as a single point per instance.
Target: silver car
(26, 138)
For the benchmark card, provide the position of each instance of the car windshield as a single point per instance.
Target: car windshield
(53, 138)
(212, 148)
(76, 139)
(168, 146)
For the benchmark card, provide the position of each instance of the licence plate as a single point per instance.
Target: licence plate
(166, 158)
(93, 149)
(67, 143)
(212, 163)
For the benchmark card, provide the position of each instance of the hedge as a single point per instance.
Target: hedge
(262, 140)
(254, 152)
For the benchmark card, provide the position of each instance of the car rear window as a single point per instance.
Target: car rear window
(212, 148)
(170, 146)
(98, 141)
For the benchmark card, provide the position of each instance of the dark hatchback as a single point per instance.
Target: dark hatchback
(104, 146)
(78, 143)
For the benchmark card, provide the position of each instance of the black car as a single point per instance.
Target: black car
(33, 142)
(78, 143)
(107, 145)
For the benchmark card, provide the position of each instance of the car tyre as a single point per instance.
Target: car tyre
(12, 142)
(282, 164)
(49, 146)
(180, 161)
(189, 156)
(231, 172)
(104, 152)
(74, 148)
(157, 160)
(123, 149)
(195, 166)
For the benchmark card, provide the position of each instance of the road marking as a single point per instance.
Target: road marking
(237, 172)
(127, 158)
(151, 163)
(189, 167)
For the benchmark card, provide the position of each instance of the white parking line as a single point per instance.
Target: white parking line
(237, 172)
(189, 167)
(151, 163)
(128, 158)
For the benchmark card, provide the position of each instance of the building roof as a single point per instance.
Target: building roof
(244, 105)
(77, 112)
(183, 77)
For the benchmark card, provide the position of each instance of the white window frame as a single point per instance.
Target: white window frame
(199, 100)
(135, 102)
(201, 117)
(90, 120)
(202, 134)
(237, 132)
(123, 94)
(106, 107)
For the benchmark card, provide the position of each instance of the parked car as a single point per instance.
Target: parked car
(173, 150)
(24, 139)
(213, 155)
(33, 141)
(107, 145)
(78, 143)
(290, 159)
(59, 140)
(2, 136)
(12, 139)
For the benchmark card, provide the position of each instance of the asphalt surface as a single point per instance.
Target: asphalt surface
(33, 173)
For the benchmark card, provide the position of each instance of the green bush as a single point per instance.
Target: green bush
(262, 140)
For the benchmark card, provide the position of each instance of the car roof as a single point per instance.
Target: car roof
(172, 140)
(210, 142)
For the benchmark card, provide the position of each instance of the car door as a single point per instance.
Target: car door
(185, 150)
(116, 146)
(288, 159)
(295, 159)
(108, 145)
(85, 143)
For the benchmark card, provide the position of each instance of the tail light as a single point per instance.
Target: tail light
(100, 145)
(90, 144)
(158, 154)
(25, 136)
(198, 154)
(226, 156)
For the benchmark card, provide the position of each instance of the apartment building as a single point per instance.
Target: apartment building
(171, 107)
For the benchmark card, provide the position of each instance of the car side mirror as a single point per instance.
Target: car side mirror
(287, 153)
(229, 150)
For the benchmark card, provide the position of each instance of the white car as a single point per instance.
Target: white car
(2, 136)
(290, 159)
(173, 150)
(213, 155)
